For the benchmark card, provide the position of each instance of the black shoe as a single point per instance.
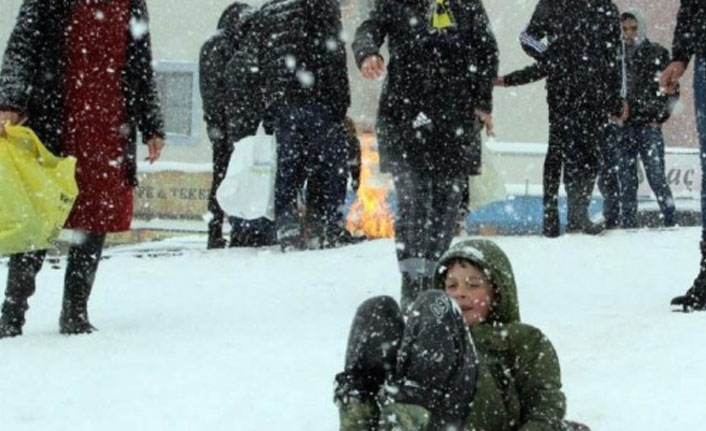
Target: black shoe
(693, 300)
(74, 320)
(216, 242)
(587, 227)
(551, 231)
(9, 327)
(371, 353)
(340, 237)
(611, 224)
(290, 239)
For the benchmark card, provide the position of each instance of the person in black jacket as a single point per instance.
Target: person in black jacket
(551, 176)
(583, 85)
(641, 131)
(690, 41)
(85, 85)
(296, 49)
(436, 96)
(215, 54)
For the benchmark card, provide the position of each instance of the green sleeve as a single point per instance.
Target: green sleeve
(538, 380)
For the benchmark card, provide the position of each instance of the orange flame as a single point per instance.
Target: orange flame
(370, 214)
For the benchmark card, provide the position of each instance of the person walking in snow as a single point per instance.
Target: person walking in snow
(690, 41)
(436, 97)
(641, 130)
(296, 48)
(215, 54)
(462, 359)
(80, 73)
(584, 84)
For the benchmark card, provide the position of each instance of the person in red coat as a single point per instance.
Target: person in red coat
(95, 90)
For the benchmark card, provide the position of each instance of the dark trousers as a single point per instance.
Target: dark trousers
(647, 142)
(427, 210)
(700, 105)
(580, 130)
(310, 141)
(609, 182)
(80, 274)
(551, 178)
(222, 152)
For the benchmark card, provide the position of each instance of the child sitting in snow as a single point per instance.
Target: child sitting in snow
(461, 359)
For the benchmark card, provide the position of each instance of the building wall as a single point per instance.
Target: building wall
(179, 27)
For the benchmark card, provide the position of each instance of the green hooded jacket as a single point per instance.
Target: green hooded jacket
(519, 380)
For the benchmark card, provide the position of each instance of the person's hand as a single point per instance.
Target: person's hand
(373, 67)
(487, 120)
(8, 117)
(670, 77)
(154, 146)
(626, 112)
(499, 81)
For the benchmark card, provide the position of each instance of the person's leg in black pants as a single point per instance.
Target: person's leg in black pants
(222, 153)
(551, 180)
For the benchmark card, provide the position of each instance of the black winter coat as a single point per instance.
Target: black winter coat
(647, 103)
(435, 80)
(690, 32)
(583, 53)
(225, 96)
(32, 75)
(296, 49)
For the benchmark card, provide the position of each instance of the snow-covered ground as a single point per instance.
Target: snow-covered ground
(250, 339)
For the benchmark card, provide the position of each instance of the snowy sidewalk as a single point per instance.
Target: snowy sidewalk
(249, 340)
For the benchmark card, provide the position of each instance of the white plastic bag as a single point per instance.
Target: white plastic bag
(489, 186)
(248, 190)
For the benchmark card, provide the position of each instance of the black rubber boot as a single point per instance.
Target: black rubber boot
(695, 298)
(437, 362)
(371, 356)
(80, 274)
(215, 234)
(23, 269)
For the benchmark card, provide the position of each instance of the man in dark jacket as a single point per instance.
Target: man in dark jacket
(215, 54)
(641, 131)
(301, 61)
(690, 40)
(583, 84)
(551, 174)
(437, 92)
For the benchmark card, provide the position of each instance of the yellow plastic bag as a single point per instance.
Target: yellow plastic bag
(37, 191)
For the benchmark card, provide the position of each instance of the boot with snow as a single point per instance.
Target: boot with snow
(371, 355)
(436, 364)
(695, 298)
(80, 274)
(21, 275)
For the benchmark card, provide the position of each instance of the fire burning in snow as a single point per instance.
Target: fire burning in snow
(370, 214)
